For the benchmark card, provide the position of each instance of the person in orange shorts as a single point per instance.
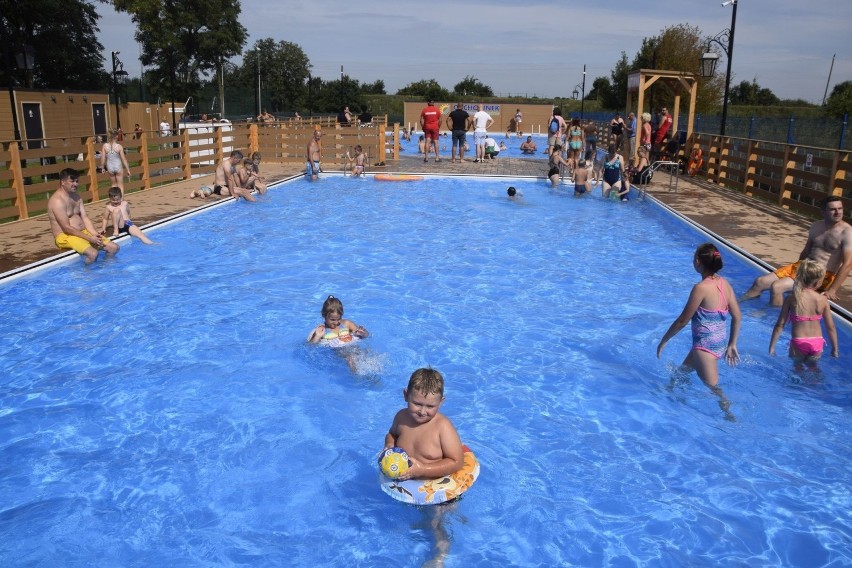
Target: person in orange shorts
(829, 244)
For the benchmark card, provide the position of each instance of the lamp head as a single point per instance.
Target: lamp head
(729, 2)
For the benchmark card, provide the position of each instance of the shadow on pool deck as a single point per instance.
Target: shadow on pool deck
(768, 232)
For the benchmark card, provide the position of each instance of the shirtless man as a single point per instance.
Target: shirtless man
(225, 183)
(528, 146)
(829, 243)
(313, 155)
(71, 227)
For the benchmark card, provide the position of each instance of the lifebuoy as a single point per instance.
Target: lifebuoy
(696, 160)
(396, 177)
(433, 491)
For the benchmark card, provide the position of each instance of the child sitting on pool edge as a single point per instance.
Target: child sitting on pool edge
(118, 212)
(426, 435)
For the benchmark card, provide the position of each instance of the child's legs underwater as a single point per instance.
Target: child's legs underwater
(705, 364)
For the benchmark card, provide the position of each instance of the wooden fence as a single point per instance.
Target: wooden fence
(792, 176)
(29, 171)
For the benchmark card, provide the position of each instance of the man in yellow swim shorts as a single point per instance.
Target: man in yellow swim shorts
(829, 243)
(71, 227)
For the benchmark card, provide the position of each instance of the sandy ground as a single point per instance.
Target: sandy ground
(770, 233)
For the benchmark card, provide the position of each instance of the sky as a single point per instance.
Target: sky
(534, 47)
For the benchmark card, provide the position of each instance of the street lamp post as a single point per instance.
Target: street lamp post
(709, 59)
(257, 73)
(119, 75)
(580, 89)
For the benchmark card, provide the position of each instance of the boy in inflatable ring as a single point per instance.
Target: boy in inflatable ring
(429, 438)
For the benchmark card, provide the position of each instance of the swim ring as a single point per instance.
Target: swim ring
(433, 491)
(397, 177)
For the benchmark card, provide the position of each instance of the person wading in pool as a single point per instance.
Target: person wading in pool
(313, 155)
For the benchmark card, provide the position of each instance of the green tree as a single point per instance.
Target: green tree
(679, 48)
(601, 89)
(616, 97)
(284, 72)
(426, 89)
(184, 40)
(750, 93)
(840, 100)
(472, 87)
(332, 96)
(63, 35)
(376, 88)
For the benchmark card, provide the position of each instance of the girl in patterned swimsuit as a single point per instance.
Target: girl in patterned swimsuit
(805, 308)
(335, 331)
(710, 303)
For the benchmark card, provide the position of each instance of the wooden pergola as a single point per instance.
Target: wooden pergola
(678, 82)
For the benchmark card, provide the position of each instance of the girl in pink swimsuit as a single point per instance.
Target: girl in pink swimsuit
(711, 302)
(805, 308)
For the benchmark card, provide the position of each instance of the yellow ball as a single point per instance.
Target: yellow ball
(394, 462)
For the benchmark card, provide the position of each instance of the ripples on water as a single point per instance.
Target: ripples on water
(162, 408)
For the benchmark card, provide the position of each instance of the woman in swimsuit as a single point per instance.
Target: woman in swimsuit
(805, 308)
(112, 160)
(575, 143)
(554, 161)
(613, 174)
(710, 303)
(335, 331)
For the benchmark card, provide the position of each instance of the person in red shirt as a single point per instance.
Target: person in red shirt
(665, 124)
(430, 122)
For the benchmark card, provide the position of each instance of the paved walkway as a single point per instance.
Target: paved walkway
(771, 234)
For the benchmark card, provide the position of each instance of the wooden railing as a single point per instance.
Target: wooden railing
(29, 171)
(792, 176)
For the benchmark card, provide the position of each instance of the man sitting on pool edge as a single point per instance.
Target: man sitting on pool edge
(71, 227)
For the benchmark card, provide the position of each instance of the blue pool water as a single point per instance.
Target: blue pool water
(513, 145)
(162, 408)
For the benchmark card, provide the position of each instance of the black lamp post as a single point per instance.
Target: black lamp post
(119, 75)
(257, 100)
(709, 59)
(580, 90)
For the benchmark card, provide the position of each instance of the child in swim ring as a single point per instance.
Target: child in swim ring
(805, 308)
(710, 303)
(427, 436)
(335, 330)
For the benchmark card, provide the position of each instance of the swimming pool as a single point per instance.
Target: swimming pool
(162, 408)
(513, 145)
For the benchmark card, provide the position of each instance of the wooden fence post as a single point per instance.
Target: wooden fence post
(187, 155)
(18, 180)
(146, 167)
(92, 168)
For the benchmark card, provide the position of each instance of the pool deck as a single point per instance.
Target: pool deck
(768, 232)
